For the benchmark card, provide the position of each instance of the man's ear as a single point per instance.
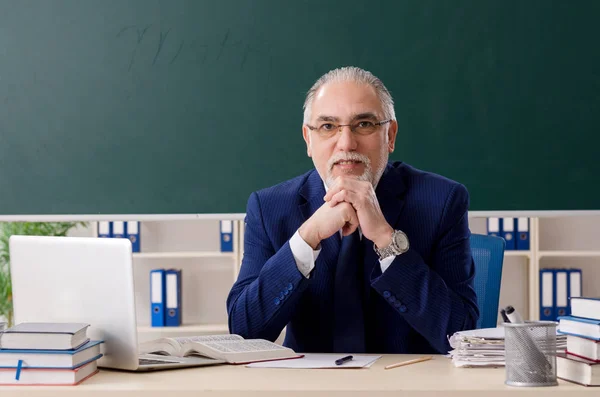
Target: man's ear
(306, 136)
(391, 135)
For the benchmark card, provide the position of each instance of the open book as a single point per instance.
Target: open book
(232, 348)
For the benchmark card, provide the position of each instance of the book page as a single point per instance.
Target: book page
(236, 351)
(207, 338)
(239, 346)
(164, 346)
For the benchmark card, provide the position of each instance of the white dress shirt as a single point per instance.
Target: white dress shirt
(306, 257)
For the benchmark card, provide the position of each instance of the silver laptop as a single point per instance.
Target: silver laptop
(89, 280)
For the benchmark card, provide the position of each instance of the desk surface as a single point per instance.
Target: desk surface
(430, 378)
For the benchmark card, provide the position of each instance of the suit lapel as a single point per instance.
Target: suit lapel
(313, 192)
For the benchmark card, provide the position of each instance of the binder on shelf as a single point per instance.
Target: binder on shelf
(173, 297)
(226, 236)
(118, 229)
(547, 296)
(157, 297)
(561, 292)
(132, 230)
(522, 234)
(493, 226)
(507, 227)
(574, 286)
(104, 229)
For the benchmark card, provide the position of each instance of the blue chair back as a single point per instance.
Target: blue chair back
(488, 255)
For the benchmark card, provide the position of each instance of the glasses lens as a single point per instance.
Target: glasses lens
(365, 127)
(327, 129)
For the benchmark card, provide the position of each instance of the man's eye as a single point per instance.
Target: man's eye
(326, 127)
(365, 124)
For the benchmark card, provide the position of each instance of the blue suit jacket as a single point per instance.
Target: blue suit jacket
(426, 293)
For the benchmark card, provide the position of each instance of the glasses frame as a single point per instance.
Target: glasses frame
(339, 127)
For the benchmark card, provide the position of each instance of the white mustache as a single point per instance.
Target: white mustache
(348, 156)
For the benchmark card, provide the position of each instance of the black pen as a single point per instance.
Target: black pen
(513, 315)
(342, 360)
(504, 316)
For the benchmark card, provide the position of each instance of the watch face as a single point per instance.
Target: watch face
(401, 241)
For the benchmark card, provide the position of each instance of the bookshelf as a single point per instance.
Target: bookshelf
(190, 254)
(192, 244)
(569, 254)
(565, 241)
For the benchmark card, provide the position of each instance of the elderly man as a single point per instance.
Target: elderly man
(359, 255)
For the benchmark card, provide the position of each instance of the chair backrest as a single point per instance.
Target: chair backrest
(488, 255)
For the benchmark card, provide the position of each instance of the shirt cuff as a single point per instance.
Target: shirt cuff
(304, 255)
(386, 262)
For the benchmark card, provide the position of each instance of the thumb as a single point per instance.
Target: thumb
(351, 225)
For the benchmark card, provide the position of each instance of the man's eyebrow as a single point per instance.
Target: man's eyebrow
(327, 118)
(366, 115)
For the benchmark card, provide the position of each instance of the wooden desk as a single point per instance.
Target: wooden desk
(431, 378)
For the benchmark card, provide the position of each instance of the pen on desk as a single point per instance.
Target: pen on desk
(342, 360)
(403, 363)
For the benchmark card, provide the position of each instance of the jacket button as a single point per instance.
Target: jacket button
(397, 304)
(281, 296)
(392, 299)
(290, 287)
(386, 294)
(285, 292)
(402, 309)
(277, 301)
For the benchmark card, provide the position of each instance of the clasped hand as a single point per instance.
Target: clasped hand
(349, 203)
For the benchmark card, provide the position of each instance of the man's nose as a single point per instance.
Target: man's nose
(346, 138)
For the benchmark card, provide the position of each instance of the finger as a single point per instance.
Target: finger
(351, 225)
(345, 196)
(343, 183)
(340, 183)
(333, 190)
(349, 228)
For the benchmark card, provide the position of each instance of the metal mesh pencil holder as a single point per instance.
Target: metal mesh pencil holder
(530, 353)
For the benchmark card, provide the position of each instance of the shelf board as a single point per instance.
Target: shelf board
(517, 253)
(200, 329)
(569, 254)
(183, 255)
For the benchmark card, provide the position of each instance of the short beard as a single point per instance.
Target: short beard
(367, 175)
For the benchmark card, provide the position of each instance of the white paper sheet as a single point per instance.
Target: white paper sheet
(313, 360)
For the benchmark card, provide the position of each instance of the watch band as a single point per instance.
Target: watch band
(392, 248)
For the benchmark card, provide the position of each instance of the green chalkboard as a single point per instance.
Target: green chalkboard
(163, 107)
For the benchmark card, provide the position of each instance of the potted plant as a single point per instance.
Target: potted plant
(8, 229)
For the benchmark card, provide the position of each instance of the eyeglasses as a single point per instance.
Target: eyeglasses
(363, 127)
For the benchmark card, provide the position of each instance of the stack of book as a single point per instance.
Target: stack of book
(581, 361)
(47, 354)
(484, 347)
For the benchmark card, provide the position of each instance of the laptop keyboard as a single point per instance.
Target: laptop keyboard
(147, 361)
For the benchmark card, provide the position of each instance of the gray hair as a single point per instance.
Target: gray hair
(358, 75)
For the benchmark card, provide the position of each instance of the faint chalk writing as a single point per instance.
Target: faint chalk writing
(177, 54)
(161, 41)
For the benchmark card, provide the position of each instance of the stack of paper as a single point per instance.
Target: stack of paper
(484, 347)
